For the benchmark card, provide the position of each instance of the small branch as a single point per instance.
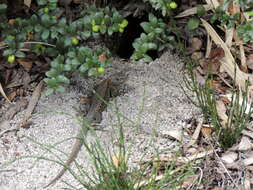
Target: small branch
(42, 43)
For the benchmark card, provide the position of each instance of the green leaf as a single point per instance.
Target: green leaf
(152, 46)
(158, 30)
(60, 89)
(147, 58)
(75, 62)
(20, 54)
(67, 41)
(92, 72)
(8, 52)
(49, 91)
(193, 23)
(110, 31)
(42, 2)
(146, 27)
(45, 34)
(51, 73)
(200, 10)
(51, 82)
(83, 68)
(86, 34)
(152, 18)
(62, 79)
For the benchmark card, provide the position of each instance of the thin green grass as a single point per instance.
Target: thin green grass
(239, 110)
(104, 174)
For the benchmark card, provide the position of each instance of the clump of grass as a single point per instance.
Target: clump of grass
(110, 169)
(239, 110)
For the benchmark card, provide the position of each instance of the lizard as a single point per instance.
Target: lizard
(102, 93)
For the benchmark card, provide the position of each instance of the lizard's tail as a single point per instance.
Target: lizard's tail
(76, 148)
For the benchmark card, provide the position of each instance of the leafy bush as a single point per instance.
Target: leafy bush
(166, 6)
(156, 37)
(62, 41)
(244, 28)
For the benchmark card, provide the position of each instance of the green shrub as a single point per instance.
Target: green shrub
(61, 40)
(156, 37)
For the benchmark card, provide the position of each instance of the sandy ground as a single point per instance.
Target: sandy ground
(152, 103)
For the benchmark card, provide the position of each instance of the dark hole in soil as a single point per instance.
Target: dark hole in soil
(131, 32)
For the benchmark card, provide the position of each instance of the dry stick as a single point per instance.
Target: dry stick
(226, 170)
(33, 102)
(195, 135)
(3, 93)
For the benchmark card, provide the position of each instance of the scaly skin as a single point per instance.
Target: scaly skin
(102, 93)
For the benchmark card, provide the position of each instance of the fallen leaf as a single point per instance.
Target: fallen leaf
(249, 61)
(197, 55)
(247, 161)
(221, 110)
(229, 157)
(245, 144)
(102, 57)
(195, 135)
(188, 182)
(216, 53)
(193, 11)
(118, 160)
(27, 64)
(207, 131)
(12, 95)
(27, 3)
(195, 44)
(15, 108)
(11, 21)
(228, 62)
(248, 133)
(174, 134)
(34, 100)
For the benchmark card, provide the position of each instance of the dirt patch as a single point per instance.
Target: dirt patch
(151, 102)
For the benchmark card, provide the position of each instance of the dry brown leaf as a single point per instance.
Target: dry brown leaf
(247, 182)
(27, 64)
(28, 3)
(118, 160)
(183, 160)
(214, 3)
(12, 95)
(229, 36)
(197, 55)
(195, 44)
(248, 133)
(221, 110)
(216, 188)
(15, 108)
(245, 144)
(207, 131)
(248, 161)
(248, 106)
(192, 11)
(195, 135)
(188, 182)
(174, 134)
(249, 61)
(11, 21)
(33, 101)
(102, 58)
(228, 62)
(208, 46)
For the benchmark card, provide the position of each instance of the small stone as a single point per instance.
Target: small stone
(229, 157)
